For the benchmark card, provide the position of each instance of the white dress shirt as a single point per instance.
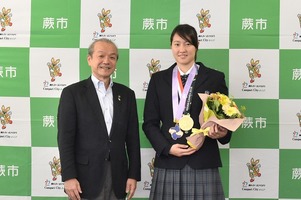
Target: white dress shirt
(105, 97)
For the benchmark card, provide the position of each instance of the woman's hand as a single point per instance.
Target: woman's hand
(216, 131)
(180, 150)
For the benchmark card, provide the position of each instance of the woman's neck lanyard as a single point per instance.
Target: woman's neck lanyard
(179, 108)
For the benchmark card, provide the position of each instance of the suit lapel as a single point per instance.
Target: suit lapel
(93, 101)
(168, 77)
(117, 98)
(202, 76)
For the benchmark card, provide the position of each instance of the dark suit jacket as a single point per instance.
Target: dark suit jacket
(83, 140)
(158, 119)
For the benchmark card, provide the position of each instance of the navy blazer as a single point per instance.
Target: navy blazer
(158, 119)
(83, 140)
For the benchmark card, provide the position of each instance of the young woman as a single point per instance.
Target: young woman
(181, 172)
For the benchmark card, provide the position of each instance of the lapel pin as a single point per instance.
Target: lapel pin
(119, 98)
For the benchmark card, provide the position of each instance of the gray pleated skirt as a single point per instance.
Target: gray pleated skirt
(186, 184)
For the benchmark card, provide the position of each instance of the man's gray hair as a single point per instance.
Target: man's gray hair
(91, 47)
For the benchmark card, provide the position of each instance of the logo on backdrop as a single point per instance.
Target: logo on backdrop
(254, 73)
(104, 19)
(254, 169)
(5, 18)
(5, 116)
(5, 23)
(296, 35)
(254, 175)
(55, 166)
(54, 67)
(55, 169)
(254, 70)
(147, 184)
(204, 20)
(6, 119)
(105, 23)
(204, 23)
(296, 133)
(153, 67)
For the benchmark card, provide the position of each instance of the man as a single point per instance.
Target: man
(98, 134)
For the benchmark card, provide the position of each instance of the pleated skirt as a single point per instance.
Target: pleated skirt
(186, 184)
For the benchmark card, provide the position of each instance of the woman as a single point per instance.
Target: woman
(182, 172)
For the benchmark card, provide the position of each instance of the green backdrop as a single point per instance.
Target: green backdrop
(256, 43)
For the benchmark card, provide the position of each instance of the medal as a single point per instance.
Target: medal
(181, 101)
(175, 132)
(186, 123)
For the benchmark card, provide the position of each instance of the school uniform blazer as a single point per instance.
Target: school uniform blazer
(84, 144)
(158, 119)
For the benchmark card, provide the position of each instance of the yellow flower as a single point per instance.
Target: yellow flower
(222, 107)
(231, 111)
(224, 100)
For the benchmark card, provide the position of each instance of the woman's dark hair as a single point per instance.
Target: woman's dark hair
(188, 33)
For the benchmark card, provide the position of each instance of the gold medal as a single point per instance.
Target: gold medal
(186, 123)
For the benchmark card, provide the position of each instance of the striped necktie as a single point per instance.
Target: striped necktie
(184, 78)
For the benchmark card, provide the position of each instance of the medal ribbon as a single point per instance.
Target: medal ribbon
(178, 108)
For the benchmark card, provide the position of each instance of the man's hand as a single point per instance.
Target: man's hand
(72, 189)
(131, 186)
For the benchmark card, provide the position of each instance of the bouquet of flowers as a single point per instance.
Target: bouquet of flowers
(217, 108)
